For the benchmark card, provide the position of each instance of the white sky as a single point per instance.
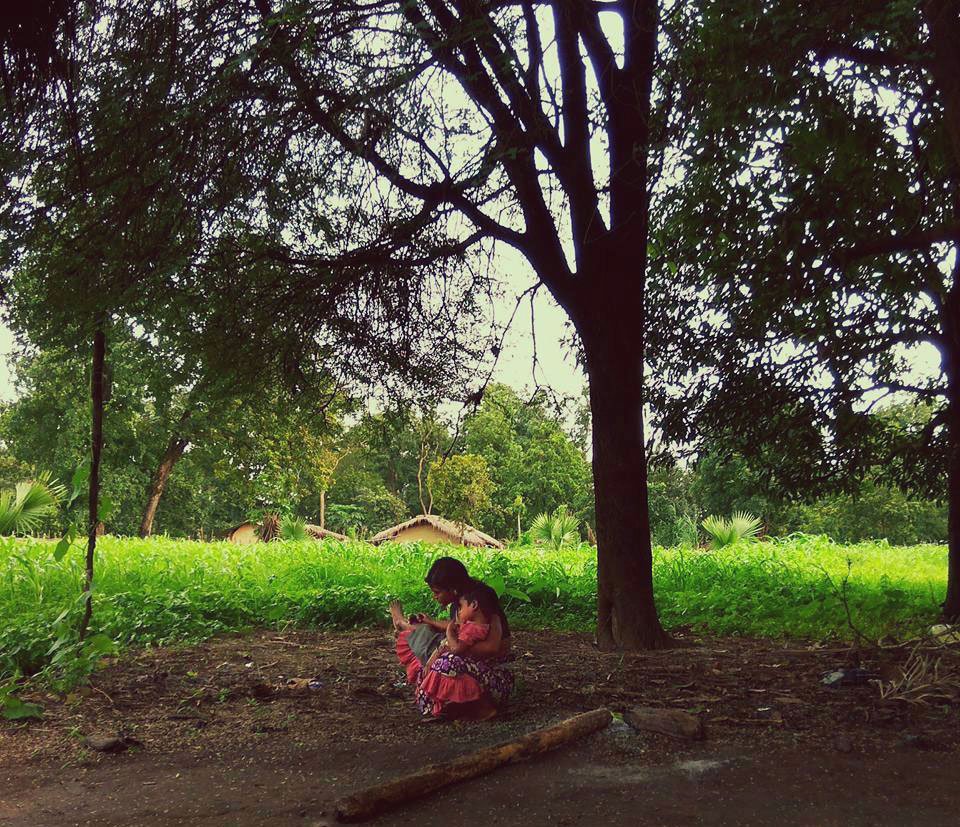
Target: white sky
(6, 374)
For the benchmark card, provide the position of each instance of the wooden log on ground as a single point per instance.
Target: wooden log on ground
(673, 722)
(372, 801)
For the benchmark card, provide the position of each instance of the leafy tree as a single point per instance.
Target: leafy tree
(363, 502)
(541, 87)
(674, 510)
(529, 456)
(808, 247)
(523, 173)
(461, 486)
(873, 512)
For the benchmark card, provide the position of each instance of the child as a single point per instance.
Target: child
(471, 626)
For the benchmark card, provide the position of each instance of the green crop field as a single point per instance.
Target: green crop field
(161, 591)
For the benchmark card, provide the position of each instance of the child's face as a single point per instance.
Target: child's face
(443, 596)
(467, 610)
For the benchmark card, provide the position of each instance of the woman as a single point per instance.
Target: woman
(470, 685)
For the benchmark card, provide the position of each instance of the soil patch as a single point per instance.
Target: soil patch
(216, 734)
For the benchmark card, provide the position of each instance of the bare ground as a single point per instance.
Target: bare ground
(215, 741)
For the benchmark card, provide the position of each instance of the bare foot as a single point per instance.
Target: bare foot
(396, 615)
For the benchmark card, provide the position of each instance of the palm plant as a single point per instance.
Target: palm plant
(292, 528)
(556, 530)
(24, 507)
(723, 532)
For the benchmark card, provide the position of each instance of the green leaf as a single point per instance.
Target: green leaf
(519, 595)
(495, 582)
(62, 547)
(99, 644)
(16, 710)
(80, 476)
(105, 509)
(79, 482)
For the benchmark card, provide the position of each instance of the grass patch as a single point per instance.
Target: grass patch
(161, 591)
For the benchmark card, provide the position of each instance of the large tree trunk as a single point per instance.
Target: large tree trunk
(323, 508)
(943, 20)
(175, 448)
(951, 606)
(96, 448)
(610, 317)
(626, 611)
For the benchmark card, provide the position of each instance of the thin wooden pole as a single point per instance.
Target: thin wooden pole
(96, 448)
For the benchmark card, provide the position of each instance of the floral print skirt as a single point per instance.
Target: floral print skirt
(454, 679)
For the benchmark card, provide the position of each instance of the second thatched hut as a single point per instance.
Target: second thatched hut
(429, 528)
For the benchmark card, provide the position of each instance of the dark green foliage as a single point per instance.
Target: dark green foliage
(529, 455)
(873, 512)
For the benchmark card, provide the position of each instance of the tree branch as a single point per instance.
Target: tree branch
(581, 188)
(433, 193)
(869, 56)
(901, 243)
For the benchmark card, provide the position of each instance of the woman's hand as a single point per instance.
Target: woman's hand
(493, 645)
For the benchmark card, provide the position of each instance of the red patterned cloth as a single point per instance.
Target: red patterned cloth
(408, 660)
(471, 632)
(453, 678)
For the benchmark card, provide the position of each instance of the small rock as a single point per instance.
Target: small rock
(847, 677)
(110, 743)
(842, 744)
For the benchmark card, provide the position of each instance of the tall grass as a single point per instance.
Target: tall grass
(161, 591)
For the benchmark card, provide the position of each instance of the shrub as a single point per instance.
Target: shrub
(558, 530)
(723, 532)
(24, 507)
(293, 528)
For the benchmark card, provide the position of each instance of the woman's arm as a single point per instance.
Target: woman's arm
(439, 625)
(492, 645)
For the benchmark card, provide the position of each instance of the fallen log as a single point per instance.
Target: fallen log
(673, 722)
(372, 801)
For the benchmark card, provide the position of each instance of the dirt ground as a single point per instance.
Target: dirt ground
(215, 742)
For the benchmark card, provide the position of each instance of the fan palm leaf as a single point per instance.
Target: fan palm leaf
(558, 530)
(24, 508)
(724, 532)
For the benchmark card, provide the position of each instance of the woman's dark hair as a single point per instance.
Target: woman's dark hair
(449, 574)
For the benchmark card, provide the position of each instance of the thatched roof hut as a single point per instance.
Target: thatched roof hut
(430, 528)
(243, 534)
(249, 532)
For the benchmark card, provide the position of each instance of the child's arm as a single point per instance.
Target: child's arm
(454, 645)
(439, 625)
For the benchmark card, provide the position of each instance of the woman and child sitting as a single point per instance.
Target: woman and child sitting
(455, 665)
